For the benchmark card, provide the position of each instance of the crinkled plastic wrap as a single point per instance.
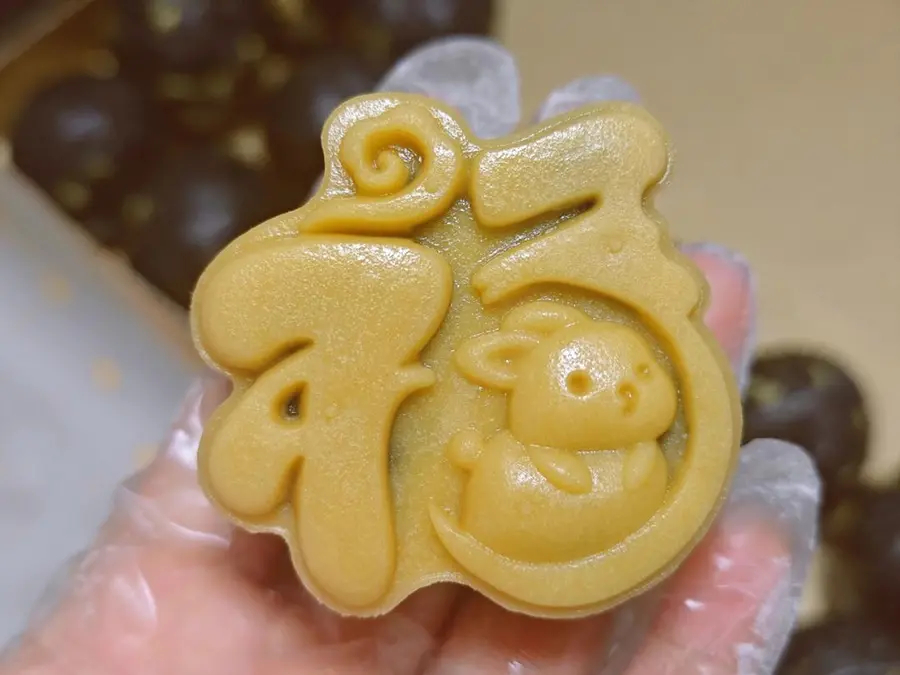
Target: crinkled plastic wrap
(170, 588)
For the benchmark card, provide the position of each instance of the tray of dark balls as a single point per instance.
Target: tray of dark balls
(192, 121)
(811, 399)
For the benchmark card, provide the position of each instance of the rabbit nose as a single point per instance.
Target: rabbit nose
(628, 395)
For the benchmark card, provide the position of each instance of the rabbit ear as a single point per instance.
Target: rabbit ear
(540, 319)
(585, 90)
(492, 359)
(476, 76)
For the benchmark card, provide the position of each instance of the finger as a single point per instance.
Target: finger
(168, 587)
(164, 502)
(157, 591)
(486, 95)
(185, 522)
(487, 640)
(161, 551)
(707, 619)
(483, 638)
(731, 313)
(399, 643)
(586, 90)
(735, 600)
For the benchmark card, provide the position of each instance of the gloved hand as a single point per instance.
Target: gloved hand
(170, 588)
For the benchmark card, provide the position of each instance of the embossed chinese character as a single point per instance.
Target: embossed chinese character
(466, 361)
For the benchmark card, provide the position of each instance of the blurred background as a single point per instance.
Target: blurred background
(141, 136)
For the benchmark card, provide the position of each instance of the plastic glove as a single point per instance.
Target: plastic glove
(170, 588)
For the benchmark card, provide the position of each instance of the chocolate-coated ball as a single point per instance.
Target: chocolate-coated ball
(79, 138)
(871, 542)
(299, 111)
(202, 105)
(839, 646)
(297, 26)
(248, 145)
(106, 227)
(191, 206)
(186, 36)
(809, 400)
(196, 57)
(384, 30)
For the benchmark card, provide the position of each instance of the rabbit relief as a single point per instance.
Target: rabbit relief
(579, 467)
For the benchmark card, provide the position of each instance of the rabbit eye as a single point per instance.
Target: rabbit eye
(578, 383)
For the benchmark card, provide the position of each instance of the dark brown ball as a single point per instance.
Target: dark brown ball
(196, 57)
(842, 646)
(871, 542)
(204, 105)
(106, 227)
(80, 138)
(811, 401)
(384, 30)
(298, 26)
(298, 112)
(185, 36)
(191, 206)
(248, 145)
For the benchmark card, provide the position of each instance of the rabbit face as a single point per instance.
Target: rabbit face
(573, 383)
(591, 387)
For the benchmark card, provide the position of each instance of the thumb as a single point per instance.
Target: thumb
(164, 501)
